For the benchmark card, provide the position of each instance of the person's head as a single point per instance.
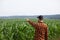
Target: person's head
(40, 18)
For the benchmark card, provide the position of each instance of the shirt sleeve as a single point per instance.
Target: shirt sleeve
(35, 25)
(46, 34)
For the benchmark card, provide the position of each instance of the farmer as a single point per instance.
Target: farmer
(40, 29)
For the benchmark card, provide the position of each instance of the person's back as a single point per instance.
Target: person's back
(40, 30)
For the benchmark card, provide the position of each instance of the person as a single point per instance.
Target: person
(41, 32)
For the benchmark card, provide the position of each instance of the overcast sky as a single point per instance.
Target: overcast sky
(29, 7)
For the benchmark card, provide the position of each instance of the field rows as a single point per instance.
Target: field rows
(19, 29)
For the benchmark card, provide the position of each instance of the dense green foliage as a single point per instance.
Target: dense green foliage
(19, 29)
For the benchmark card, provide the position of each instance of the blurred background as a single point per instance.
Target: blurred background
(13, 13)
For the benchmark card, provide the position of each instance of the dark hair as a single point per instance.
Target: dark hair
(40, 17)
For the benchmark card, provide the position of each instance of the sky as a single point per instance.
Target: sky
(29, 7)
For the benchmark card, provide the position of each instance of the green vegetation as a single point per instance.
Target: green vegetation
(19, 29)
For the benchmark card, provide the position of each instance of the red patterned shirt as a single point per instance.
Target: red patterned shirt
(40, 30)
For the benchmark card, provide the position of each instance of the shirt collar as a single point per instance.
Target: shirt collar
(40, 22)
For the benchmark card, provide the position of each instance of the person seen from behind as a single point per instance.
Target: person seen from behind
(41, 32)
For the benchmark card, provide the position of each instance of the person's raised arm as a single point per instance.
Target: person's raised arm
(32, 23)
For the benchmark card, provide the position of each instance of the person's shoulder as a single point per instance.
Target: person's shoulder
(45, 25)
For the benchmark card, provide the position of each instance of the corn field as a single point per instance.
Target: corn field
(19, 29)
